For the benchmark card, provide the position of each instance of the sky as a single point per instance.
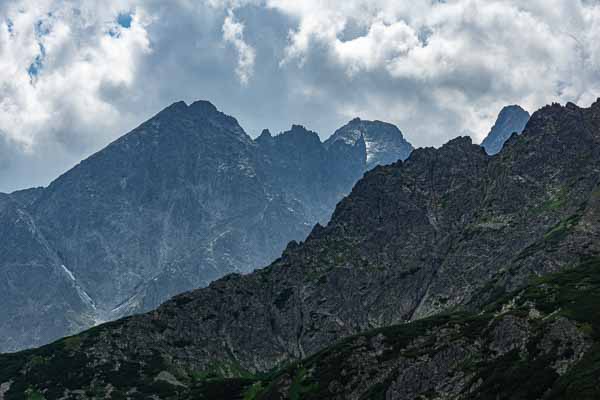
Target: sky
(77, 74)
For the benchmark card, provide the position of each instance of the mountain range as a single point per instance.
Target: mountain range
(450, 275)
(178, 202)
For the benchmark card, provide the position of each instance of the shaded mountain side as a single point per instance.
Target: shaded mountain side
(448, 229)
(178, 202)
(312, 174)
(32, 274)
(542, 341)
(512, 119)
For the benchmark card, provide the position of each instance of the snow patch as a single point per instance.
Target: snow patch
(85, 297)
(371, 149)
(68, 272)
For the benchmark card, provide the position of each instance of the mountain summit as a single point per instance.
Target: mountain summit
(384, 142)
(512, 119)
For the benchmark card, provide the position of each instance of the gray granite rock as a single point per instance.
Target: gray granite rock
(178, 202)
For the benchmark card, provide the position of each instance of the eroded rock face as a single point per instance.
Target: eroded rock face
(501, 356)
(180, 201)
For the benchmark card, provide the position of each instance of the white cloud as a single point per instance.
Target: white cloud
(467, 56)
(55, 59)
(72, 78)
(233, 33)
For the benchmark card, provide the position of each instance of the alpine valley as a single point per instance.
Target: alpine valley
(450, 275)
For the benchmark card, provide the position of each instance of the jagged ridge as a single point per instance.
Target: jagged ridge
(447, 228)
(183, 199)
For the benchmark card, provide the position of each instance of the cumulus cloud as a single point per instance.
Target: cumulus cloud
(233, 33)
(75, 74)
(462, 57)
(57, 59)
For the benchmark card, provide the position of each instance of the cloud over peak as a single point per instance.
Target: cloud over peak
(233, 33)
(76, 74)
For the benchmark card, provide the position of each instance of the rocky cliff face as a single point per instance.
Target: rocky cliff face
(32, 274)
(539, 342)
(180, 201)
(448, 229)
(512, 119)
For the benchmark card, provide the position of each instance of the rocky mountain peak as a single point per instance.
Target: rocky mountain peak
(299, 135)
(203, 107)
(462, 142)
(265, 133)
(265, 138)
(198, 113)
(178, 106)
(299, 130)
(511, 119)
(384, 142)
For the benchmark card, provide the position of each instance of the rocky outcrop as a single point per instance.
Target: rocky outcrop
(533, 344)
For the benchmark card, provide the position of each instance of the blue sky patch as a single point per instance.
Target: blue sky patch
(36, 66)
(124, 19)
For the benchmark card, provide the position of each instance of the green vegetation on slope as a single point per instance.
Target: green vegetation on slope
(59, 368)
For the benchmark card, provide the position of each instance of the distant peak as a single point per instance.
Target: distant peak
(200, 107)
(511, 119)
(203, 107)
(383, 142)
(461, 141)
(265, 136)
(201, 112)
(299, 135)
(296, 127)
(510, 112)
(302, 131)
(177, 106)
(513, 107)
(265, 133)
